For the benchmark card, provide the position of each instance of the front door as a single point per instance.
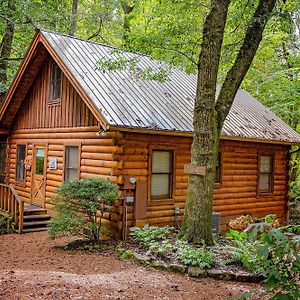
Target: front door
(38, 182)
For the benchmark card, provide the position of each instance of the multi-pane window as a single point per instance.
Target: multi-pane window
(265, 173)
(161, 179)
(71, 163)
(20, 170)
(55, 83)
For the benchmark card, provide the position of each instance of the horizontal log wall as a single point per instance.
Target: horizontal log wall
(235, 196)
(97, 159)
(36, 112)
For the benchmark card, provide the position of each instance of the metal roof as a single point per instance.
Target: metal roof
(127, 101)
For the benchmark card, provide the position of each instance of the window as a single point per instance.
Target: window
(161, 179)
(55, 83)
(39, 161)
(20, 172)
(3, 155)
(71, 163)
(218, 169)
(265, 173)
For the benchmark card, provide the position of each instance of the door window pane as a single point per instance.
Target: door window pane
(20, 171)
(39, 161)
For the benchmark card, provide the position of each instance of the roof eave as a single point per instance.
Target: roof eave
(190, 134)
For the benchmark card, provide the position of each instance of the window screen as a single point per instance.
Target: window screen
(71, 163)
(21, 153)
(55, 84)
(265, 178)
(161, 182)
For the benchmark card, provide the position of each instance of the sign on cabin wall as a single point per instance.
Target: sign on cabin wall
(195, 170)
(53, 163)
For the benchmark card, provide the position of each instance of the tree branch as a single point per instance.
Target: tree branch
(243, 60)
(177, 51)
(11, 58)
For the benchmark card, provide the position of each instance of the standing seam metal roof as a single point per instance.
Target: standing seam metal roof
(126, 101)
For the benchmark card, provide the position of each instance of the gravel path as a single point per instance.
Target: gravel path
(34, 267)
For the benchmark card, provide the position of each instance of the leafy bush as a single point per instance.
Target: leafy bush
(241, 223)
(4, 225)
(163, 242)
(270, 252)
(279, 262)
(244, 252)
(81, 204)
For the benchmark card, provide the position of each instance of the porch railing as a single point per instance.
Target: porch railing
(11, 205)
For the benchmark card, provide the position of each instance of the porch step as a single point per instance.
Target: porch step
(34, 224)
(26, 230)
(35, 219)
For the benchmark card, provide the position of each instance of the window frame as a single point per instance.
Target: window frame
(5, 144)
(21, 182)
(65, 160)
(172, 176)
(271, 173)
(34, 164)
(51, 98)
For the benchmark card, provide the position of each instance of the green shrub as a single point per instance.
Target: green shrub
(271, 253)
(279, 262)
(4, 225)
(81, 204)
(244, 252)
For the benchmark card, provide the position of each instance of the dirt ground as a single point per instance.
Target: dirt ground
(34, 267)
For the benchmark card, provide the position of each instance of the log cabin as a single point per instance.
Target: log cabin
(64, 118)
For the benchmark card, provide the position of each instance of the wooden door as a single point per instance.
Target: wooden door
(38, 181)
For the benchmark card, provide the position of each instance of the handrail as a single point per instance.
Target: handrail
(11, 203)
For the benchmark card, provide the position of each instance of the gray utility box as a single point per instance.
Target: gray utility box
(216, 222)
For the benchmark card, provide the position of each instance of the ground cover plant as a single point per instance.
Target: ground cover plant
(164, 243)
(262, 247)
(80, 205)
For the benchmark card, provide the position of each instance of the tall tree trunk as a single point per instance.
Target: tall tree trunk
(74, 18)
(127, 9)
(198, 207)
(209, 115)
(5, 49)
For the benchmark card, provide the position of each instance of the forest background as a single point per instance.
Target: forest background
(170, 31)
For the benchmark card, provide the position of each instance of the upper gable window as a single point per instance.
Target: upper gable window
(55, 83)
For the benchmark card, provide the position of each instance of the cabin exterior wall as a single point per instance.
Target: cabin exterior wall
(235, 195)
